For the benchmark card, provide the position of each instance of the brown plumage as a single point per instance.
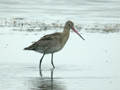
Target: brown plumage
(46, 43)
(53, 42)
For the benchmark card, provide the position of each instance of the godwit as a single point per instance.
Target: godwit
(49, 44)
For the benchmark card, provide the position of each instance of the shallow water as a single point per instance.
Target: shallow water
(81, 11)
(37, 15)
(92, 64)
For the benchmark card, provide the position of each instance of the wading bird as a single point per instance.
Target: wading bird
(49, 44)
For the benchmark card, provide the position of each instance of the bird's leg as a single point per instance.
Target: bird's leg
(52, 70)
(52, 60)
(40, 71)
(41, 61)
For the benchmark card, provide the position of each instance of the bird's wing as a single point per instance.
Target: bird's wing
(51, 36)
(46, 41)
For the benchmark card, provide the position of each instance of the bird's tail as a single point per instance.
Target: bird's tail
(26, 48)
(29, 48)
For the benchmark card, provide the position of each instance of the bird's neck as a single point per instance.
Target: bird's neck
(66, 30)
(66, 34)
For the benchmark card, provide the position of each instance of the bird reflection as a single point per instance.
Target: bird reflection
(46, 83)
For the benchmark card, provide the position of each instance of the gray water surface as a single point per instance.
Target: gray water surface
(90, 11)
(92, 64)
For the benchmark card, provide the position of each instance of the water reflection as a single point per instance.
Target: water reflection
(46, 83)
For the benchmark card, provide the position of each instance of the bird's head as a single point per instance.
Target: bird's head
(69, 24)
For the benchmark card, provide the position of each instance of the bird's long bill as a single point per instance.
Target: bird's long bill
(77, 32)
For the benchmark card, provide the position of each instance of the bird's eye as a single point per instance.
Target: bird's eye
(69, 24)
